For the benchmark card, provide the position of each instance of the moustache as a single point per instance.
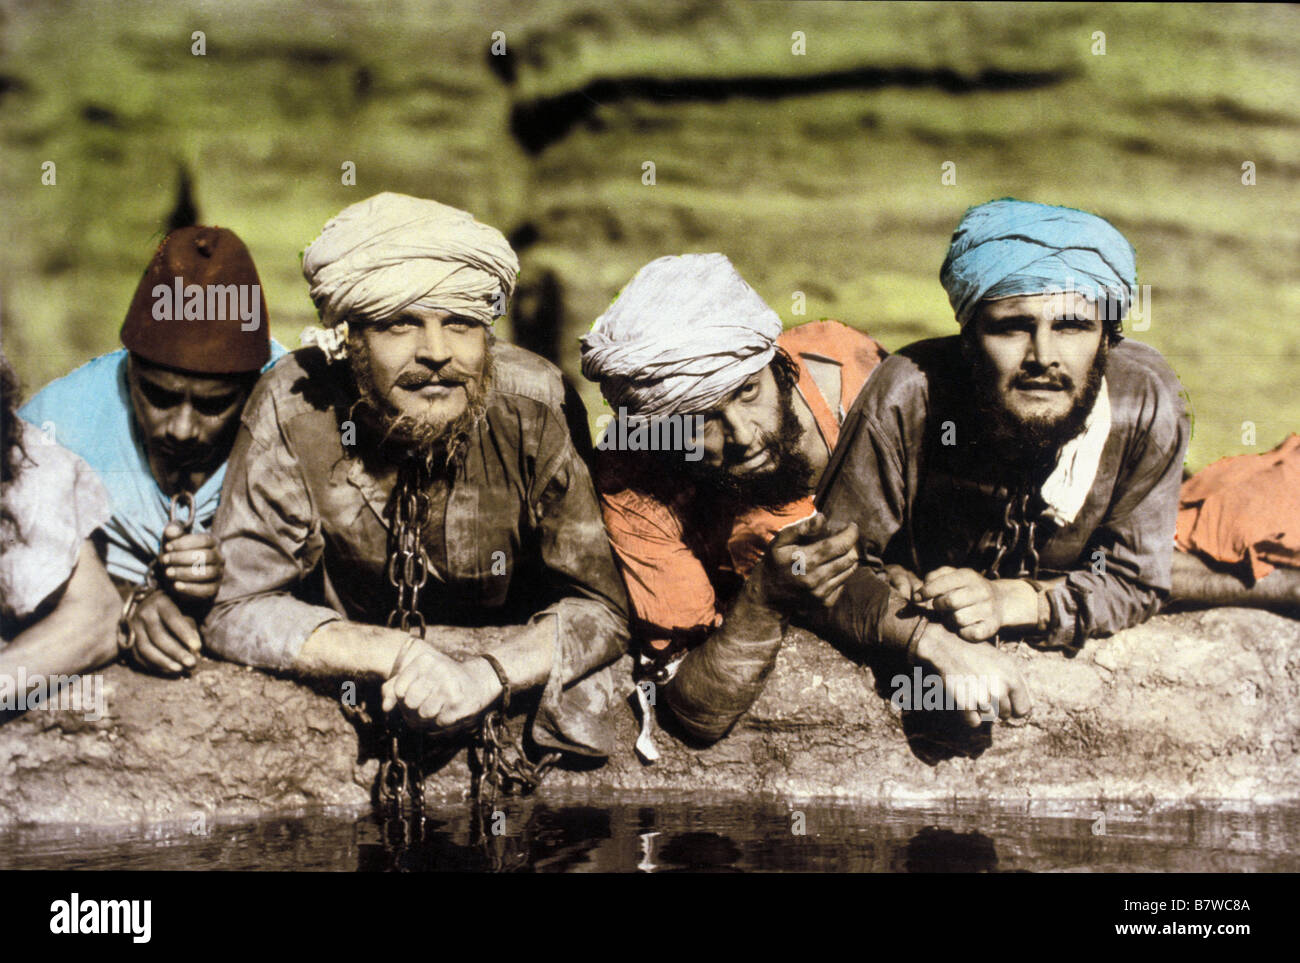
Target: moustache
(183, 456)
(422, 379)
(1059, 381)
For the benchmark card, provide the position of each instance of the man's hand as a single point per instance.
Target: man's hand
(904, 581)
(166, 639)
(435, 691)
(808, 564)
(191, 564)
(982, 680)
(970, 604)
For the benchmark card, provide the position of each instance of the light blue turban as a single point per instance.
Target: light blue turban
(1009, 247)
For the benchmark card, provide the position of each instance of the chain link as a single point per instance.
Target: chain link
(182, 503)
(502, 766)
(1017, 522)
(400, 784)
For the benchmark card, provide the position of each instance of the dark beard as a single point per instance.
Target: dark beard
(788, 480)
(399, 438)
(1033, 443)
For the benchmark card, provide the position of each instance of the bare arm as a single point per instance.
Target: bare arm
(344, 649)
(79, 633)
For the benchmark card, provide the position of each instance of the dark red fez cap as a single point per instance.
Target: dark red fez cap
(199, 306)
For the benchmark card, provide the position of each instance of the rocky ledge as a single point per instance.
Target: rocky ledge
(1187, 708)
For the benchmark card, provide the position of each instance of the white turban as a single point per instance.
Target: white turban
(388, 252)
(683, 334)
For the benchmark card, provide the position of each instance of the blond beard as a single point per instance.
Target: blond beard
(410, 436)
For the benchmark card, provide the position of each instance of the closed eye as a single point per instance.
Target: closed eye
(158, 396)
(215, 406)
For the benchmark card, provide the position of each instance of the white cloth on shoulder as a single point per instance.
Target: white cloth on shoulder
(1067, 487)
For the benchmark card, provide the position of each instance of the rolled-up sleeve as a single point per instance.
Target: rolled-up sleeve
(590, 610)
(271, 541)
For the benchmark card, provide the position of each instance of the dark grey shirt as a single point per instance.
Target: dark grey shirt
(304, 529)
(922, 504)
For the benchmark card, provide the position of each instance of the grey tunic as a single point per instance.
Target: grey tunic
(304, 529)
(922, 504)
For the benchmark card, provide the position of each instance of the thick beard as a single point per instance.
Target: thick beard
(1033, 442)
(401, 437)
(788, 480)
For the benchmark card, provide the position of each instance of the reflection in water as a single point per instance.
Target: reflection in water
(548, 835)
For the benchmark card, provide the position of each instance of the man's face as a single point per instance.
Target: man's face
(186, 421)
(751, 446)
(422, 368)
(737, 433)
(1035, 354)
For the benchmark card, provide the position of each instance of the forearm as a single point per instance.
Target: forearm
(268, 631)
(1019, 602)
(61, 646)
(528, 654)
(354, 650)
(720, 679)
(1088, 604)
(869, 615)
(79, 633)
(1195, 581)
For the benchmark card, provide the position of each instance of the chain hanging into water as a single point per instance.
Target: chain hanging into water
(503, 766)
(400, 785)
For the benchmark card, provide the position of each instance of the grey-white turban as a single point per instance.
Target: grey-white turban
(681, 336)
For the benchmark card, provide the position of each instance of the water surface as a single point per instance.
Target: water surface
(630, 834)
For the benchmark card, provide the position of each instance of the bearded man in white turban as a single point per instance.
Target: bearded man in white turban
(416, 470)
(712, 520)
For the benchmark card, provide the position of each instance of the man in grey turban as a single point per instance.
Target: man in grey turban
(420, 471)
(717, 538)
(1019, 480)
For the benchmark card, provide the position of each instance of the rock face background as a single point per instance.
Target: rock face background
(1190, 707)
(818, 173)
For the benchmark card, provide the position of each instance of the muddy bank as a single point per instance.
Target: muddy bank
(1186, 708)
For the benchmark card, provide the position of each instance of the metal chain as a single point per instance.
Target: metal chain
(502, 764)
(400, 785)
(182, 503)
(1016, 522)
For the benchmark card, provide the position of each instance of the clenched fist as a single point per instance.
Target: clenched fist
(191, 565)
(970, 604)
(435, 691)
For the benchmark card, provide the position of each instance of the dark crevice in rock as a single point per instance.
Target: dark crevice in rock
(538, 123)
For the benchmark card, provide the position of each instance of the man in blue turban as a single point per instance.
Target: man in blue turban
(1019, 479)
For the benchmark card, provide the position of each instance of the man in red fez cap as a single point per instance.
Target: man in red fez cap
(156, 421)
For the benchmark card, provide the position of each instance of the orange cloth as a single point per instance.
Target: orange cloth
(676, 571)
(1245, 507)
